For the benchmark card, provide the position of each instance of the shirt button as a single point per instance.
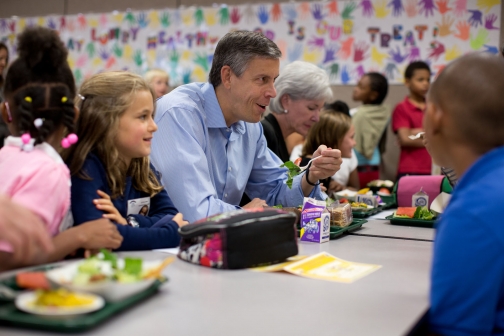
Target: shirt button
(229, 169)
(225, 195)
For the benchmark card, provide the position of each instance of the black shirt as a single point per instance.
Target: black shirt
(276, 143)
(274, 137)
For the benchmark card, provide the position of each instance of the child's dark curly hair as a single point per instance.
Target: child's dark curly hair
(40, 84)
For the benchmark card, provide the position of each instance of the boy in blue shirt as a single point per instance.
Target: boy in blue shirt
(464, 124)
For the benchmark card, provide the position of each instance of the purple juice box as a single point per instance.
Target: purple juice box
(315, 221)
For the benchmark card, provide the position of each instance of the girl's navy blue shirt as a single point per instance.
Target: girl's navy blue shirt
(157, 230)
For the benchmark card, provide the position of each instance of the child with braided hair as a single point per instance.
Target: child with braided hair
(39, 111)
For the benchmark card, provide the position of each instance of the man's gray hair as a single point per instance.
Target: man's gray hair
(301, 80)
(237, 49)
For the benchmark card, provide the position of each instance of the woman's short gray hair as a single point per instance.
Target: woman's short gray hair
(301, 80)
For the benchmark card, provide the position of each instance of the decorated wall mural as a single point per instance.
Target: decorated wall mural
(346, 38)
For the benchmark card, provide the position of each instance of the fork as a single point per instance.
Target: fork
(416, 136)
(309, 163)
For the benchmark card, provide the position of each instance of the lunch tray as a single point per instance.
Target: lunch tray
(339, 231)
(390, 201)
(411, 222)
(365, 213)
(10, 316)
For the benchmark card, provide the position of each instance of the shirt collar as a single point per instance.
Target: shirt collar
(44, 147)
(214, 114)
(411, 106)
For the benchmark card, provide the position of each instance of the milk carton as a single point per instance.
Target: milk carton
(367, 199)
(420, 199)
(315, 221)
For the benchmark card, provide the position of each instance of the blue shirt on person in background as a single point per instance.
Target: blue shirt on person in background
(157, 229)
(206, 166)
(467, 290)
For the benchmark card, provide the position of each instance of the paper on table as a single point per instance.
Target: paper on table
(278, 267)
(174, 250)
(324, 266)
(383, 214)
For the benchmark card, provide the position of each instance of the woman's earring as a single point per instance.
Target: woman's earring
(285, 111)
(9, 116)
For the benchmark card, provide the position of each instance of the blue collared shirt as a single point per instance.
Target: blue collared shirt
(467, 280)
(206, 166)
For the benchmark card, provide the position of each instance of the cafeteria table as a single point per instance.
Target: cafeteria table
(383, 228)
(203, 301)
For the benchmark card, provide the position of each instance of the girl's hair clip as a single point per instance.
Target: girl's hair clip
(38, 122)
(81, 96)
(28, 99)
(27, 145)
(69, 140)
(25, 138)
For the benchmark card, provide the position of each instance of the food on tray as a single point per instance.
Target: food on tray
(381, 183)
(343, 200)
(414, 213)
(423, 213)
(345, 193)
(405, 212)
(32, 280)
(363, 191)
(384, 192)
(292, 171)
(62, 298)
(359, 205)
(341, 215)
(329, 202)
(106, 267)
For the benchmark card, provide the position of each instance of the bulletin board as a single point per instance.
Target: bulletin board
(346, 38)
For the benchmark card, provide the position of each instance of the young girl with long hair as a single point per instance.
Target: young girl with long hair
(38, 108)
(334, 129)
(111, 173)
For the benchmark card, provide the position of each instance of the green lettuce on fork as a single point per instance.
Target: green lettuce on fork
(292, 171)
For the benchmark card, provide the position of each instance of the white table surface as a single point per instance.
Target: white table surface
(202, 301)
(383, 228)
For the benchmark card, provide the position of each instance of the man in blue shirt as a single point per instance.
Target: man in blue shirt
(210, 146)
(464, 125)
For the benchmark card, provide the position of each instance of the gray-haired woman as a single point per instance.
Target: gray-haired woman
(302, 89)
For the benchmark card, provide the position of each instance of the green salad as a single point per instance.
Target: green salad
(420, 213)
(104, 266)
(423, 213)
(293, 171)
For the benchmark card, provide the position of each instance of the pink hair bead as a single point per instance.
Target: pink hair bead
(65, 143)
(25, 138)
(72, 138)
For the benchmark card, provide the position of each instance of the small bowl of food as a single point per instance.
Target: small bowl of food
(108, 276)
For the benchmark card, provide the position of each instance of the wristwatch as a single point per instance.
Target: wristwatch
(132, 221)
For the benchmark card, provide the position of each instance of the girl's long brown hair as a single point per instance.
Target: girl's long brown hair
(329, 130)
(106, 97)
